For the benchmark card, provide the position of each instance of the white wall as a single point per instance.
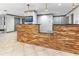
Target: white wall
(20, 20)
(46, 22)
(34, 14)
(9, 23)
(76, 16)
(1, 22)
(61, 20)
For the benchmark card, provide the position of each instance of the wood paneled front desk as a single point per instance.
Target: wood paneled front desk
(64, 37)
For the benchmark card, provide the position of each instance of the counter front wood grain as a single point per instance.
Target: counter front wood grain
(65, 37)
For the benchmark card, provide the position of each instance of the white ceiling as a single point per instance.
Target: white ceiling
(19, 8)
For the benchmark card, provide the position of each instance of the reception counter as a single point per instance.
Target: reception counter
(64, 37)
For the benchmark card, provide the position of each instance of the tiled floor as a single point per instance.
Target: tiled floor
(10, 47)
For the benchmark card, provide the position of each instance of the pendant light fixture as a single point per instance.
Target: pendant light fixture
(27, 12)
(73, 5)
(46, 7)
(28, 6)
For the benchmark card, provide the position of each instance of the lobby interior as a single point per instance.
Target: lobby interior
(39, 29)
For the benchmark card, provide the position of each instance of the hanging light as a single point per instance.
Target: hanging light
(46, 7)
(73, 5)
(27, 9)
(28, 6)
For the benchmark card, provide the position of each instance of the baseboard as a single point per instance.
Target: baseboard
(10, 31)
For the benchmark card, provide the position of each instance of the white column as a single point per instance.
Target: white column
(20, 20)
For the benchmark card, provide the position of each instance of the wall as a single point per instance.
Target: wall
(20, 20)
(9, 23)
(61, 20)
(34, 14)
(46, 22)
(1, 22)
(75, 17)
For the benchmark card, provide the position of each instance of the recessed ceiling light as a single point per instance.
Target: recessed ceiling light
(59, 4)
(5, 11)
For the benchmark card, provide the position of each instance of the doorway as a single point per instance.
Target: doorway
(72, 17)
(17, 21)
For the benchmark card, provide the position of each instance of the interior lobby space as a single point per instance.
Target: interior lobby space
(10, 47)
(39, 29)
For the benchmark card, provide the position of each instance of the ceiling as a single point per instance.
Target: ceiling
(19, 8)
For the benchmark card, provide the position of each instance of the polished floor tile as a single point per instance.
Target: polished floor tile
(10, 47)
